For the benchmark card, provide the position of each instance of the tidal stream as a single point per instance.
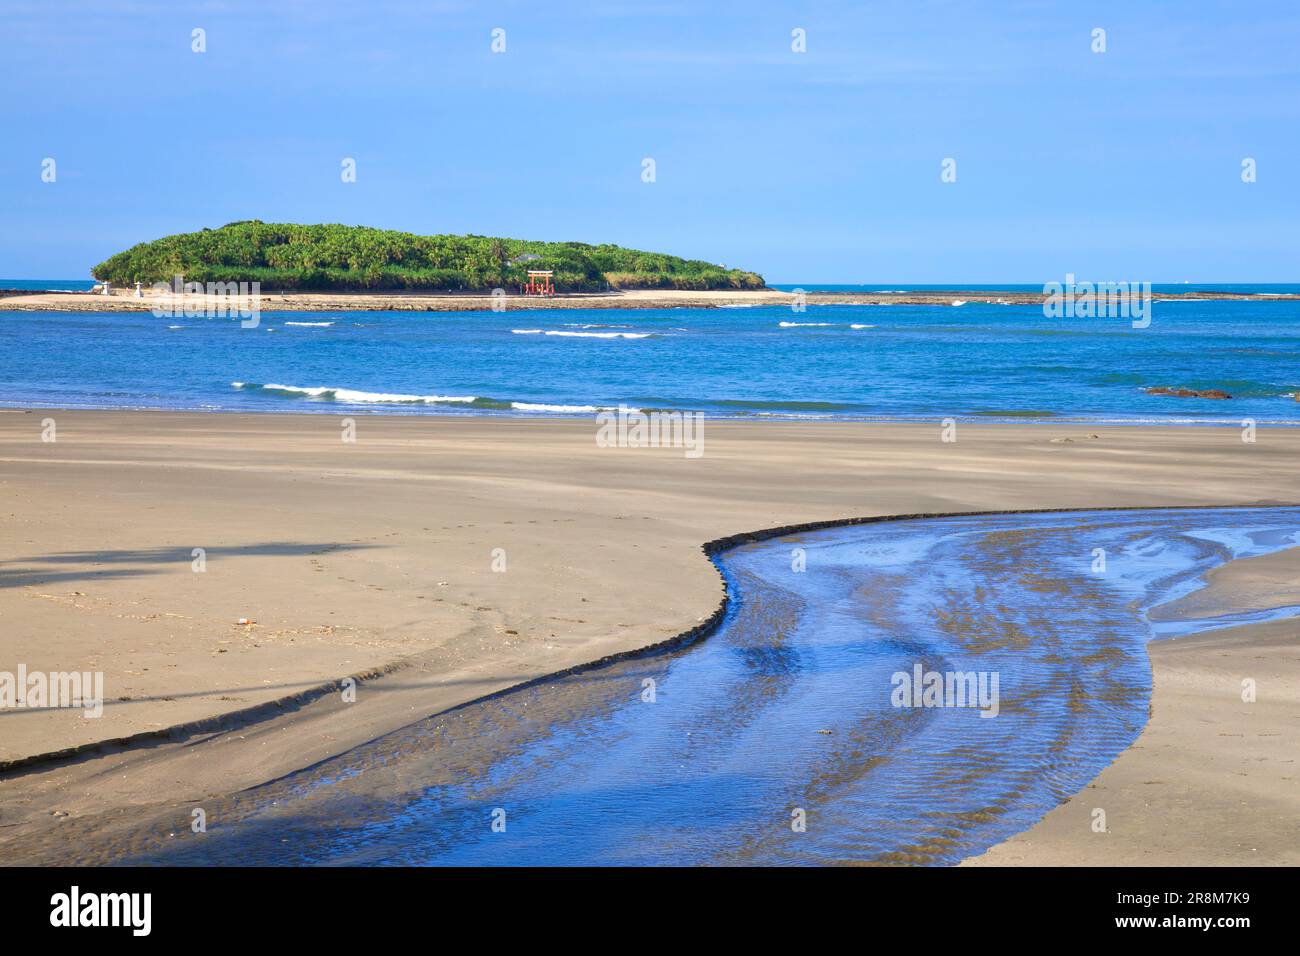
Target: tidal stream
(789, 713)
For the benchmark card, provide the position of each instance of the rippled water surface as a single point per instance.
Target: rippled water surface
(786, 708)
(887, 361)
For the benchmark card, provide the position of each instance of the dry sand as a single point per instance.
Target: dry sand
(378, 556)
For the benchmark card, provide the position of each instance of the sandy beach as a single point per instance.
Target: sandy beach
(383, 559)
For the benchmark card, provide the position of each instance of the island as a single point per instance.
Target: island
(331, 267)
(338, 258)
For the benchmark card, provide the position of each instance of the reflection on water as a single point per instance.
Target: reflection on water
(787, 708)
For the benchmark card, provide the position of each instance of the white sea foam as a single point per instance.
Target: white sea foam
(583, 335)
(355, 396)
(317, 324)
(862, 326)
(958, 301)
(543, 407)
(602, 335)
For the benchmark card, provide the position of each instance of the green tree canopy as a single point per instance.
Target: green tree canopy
(337, 257)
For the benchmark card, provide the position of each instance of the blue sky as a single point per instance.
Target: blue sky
(820, 166)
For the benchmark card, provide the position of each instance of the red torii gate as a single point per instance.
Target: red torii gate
(540, 282)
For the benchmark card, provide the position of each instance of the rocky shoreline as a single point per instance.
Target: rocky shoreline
(126, 301)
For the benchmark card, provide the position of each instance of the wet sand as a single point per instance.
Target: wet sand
(787, 704)
(1212, 781)
(378, 556)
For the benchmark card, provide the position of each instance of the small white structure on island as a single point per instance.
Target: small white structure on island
(106, 288)
(138, 293)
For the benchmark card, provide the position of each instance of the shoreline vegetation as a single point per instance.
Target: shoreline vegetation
(338, 258)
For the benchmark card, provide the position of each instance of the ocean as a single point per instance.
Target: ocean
(886, 362)
(48, 285)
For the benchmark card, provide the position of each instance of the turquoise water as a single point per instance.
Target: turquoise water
(789, 707)
(984, 361)
(1157, 288)
(48, 285)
